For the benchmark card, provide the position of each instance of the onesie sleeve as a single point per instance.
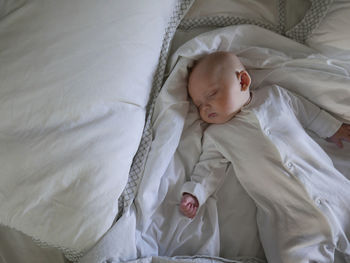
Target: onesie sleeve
(208, 173)
(312, 117)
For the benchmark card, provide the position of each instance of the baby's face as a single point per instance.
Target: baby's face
(217, 93)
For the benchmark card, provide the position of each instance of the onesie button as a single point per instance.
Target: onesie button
(268, 132)
(318, 201)
(290, 165)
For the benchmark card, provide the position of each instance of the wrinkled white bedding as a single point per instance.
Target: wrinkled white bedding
(75, 78)
(239, 240)
(226, 224)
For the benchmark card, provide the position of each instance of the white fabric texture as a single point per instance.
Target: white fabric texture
(332, 37)
(291, 179)
(226, 224)
(8, 6)
(75, 81)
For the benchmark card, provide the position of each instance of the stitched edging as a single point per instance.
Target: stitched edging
(282, 16)
(135, 174)
(311, 20)
(222, 21)
(71, 254)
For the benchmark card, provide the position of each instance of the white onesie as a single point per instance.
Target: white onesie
(303, 202)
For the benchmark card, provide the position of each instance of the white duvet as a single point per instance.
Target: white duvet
(226, 224)
(75, 78)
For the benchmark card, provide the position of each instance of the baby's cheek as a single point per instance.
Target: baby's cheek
(202, 115)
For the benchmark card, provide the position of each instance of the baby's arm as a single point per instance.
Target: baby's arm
(315, 119)
(343, 134)
(205, 179)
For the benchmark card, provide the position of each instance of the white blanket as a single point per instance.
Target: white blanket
(75, 79)
(226, 224)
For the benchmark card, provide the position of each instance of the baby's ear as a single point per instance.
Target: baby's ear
(245, 80)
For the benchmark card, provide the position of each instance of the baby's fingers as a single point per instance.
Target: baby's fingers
(192, 210)
(188, 209)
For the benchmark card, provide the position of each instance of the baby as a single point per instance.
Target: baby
(262, 133)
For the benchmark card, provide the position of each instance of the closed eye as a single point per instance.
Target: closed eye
(213, 93)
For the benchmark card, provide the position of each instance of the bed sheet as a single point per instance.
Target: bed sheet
(224, 226)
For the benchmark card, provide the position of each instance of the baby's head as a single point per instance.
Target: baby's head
(219, 86)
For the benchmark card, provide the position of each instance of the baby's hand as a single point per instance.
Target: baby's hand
(189, 205)
(342, 134)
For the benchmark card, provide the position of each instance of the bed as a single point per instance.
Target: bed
(97, 133)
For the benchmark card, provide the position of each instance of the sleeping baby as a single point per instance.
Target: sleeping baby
(303, 211)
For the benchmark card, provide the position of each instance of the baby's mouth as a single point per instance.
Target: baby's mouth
(212, 115)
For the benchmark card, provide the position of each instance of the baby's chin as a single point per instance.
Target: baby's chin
(219, 118)
(216, 120)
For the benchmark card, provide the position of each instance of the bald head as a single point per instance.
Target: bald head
(215, 63)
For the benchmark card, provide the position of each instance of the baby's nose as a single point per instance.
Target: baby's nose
(206, 106)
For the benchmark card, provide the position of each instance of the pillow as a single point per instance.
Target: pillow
(241, 11)
(75, 81)
(332, 37)
(295, 11)
(266, 10)
(275, 15)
